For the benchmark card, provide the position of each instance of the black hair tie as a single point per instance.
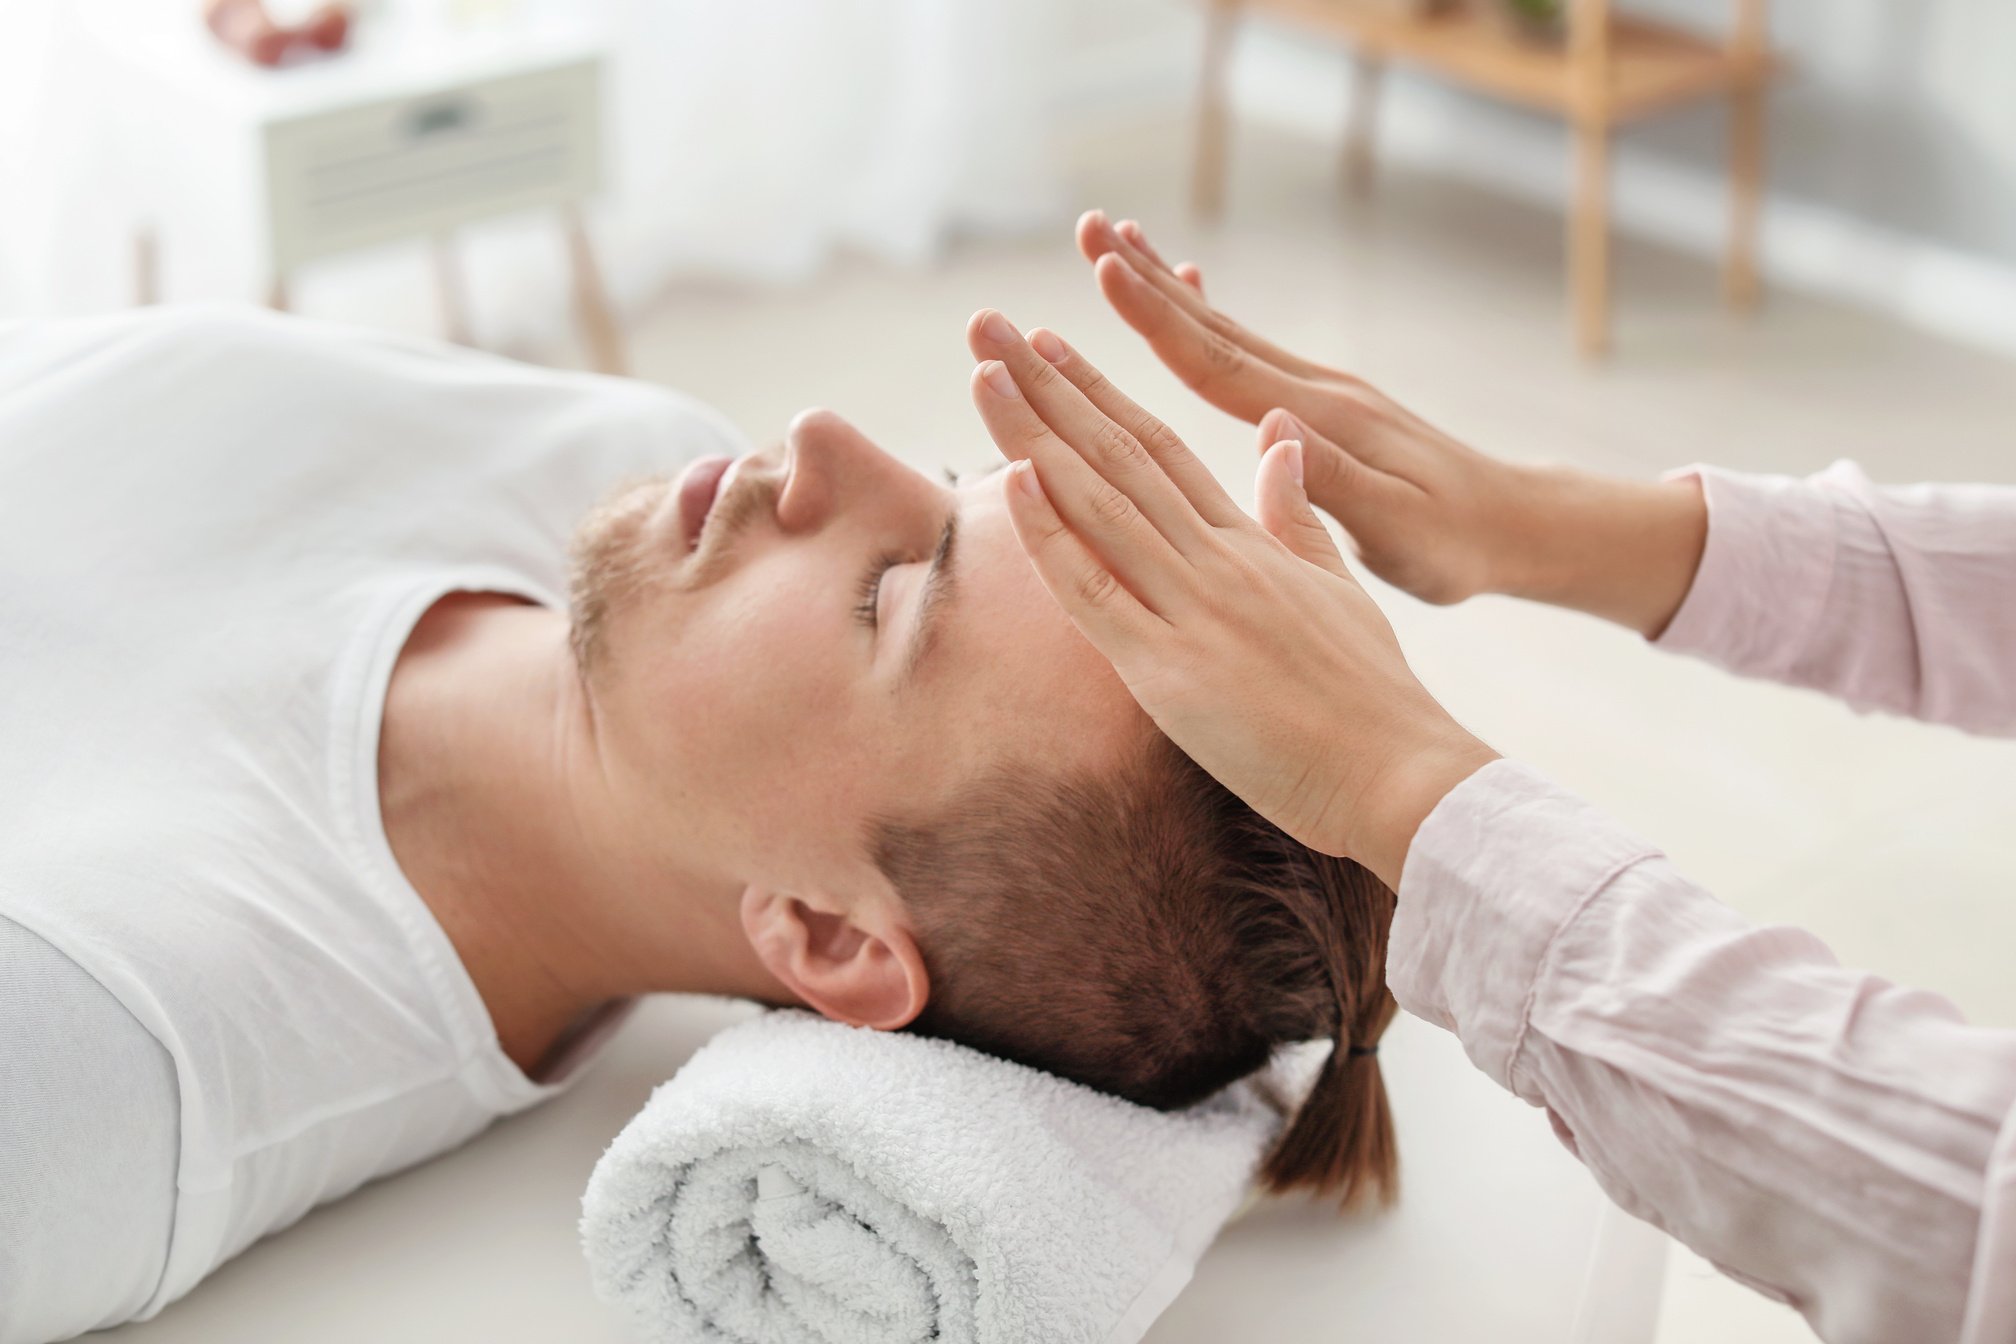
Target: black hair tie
(1357, 1050)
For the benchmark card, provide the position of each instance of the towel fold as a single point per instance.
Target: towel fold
(808, 1183)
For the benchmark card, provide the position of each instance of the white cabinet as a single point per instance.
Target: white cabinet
(425, 163)
(419, 129)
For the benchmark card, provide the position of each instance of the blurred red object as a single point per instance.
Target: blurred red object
(245, 27)
(328, 28)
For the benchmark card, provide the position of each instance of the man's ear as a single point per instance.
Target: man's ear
(857, 967)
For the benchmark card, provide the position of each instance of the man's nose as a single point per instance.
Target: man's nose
(826, 461)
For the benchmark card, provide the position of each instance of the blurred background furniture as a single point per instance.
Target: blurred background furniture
(733, 144)
(1599, 71)
(424, 128)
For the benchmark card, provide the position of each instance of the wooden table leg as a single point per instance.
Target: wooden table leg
(1750, 45)
(146, 267)
(448, 290)
(276, 293)
(592, 311)
(1746, 184)
(1207, 183)
(1589, 237)
(1589, 66)
(1368, 76)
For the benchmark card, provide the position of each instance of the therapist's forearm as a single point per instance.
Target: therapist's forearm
(1828, 1137)
(1623, 550)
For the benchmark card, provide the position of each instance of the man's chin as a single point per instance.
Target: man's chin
(609, 553)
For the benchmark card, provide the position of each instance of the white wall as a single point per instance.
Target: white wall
(1902, 112)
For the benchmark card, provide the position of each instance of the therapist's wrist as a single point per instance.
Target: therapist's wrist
(1408, 786)
(1619, 549)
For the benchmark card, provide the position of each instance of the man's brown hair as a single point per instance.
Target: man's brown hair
(1149, 935)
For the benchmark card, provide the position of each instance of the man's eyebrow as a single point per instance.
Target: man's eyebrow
(932, 598)
(960, 479)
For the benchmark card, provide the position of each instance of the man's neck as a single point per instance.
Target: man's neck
(496, 807)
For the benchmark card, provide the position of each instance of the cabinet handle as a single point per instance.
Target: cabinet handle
(439, 117)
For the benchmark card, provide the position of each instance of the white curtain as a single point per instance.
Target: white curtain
(747, 140)
(65, 221)
(754, 137)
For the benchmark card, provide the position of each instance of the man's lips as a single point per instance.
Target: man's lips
(698, 487)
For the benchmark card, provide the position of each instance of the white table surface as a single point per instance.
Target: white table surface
(394, 50)
(1500, 1235)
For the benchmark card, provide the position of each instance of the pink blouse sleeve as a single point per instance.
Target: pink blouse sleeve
(1833, 1140)
(1895, 599)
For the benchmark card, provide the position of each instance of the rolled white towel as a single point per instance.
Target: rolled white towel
(808, 1183)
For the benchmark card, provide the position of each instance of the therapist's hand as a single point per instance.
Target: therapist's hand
(1248, 642)
(1426, 513)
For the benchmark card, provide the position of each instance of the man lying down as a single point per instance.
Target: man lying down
(339, 816)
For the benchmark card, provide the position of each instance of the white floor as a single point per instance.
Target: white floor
(1896, 842)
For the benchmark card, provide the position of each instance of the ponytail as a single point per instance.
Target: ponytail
(1340, 1142)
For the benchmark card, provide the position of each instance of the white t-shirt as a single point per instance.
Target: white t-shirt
(221, 1003)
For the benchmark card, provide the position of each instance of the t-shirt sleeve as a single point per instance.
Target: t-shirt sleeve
(89, 1138)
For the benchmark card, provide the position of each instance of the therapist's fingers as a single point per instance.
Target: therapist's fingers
(1192, 477)
(1116, 455)
(1102, 608)
(1130, 243)
(1336, 479)
(1104, 518)
(1186, 271)
(1224, 373)
(1133, 233)
(1130, 230)
(1284, 509)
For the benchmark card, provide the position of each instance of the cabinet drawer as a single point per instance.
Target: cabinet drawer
(417, 165)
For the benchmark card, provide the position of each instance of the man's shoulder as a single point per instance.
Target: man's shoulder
(254, 364)
(46, 345)
(89, 1142)
(43, 987)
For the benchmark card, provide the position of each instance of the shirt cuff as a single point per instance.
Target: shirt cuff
(1505, 861)
(1764, 574)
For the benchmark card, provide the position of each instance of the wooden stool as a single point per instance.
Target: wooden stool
(1611, 69)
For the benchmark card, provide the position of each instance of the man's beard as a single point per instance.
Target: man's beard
(614, 560)
(609, 562)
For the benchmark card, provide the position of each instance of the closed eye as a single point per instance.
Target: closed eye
(868, 602)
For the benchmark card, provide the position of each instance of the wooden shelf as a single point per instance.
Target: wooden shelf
(1651, 65)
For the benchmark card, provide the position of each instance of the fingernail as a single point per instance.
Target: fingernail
(1287, 426)
(1047, 345)
(996, 329)
(1024, 473)
(996, 374)
(1295, 461)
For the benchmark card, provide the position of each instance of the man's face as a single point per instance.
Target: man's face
(786, 648)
